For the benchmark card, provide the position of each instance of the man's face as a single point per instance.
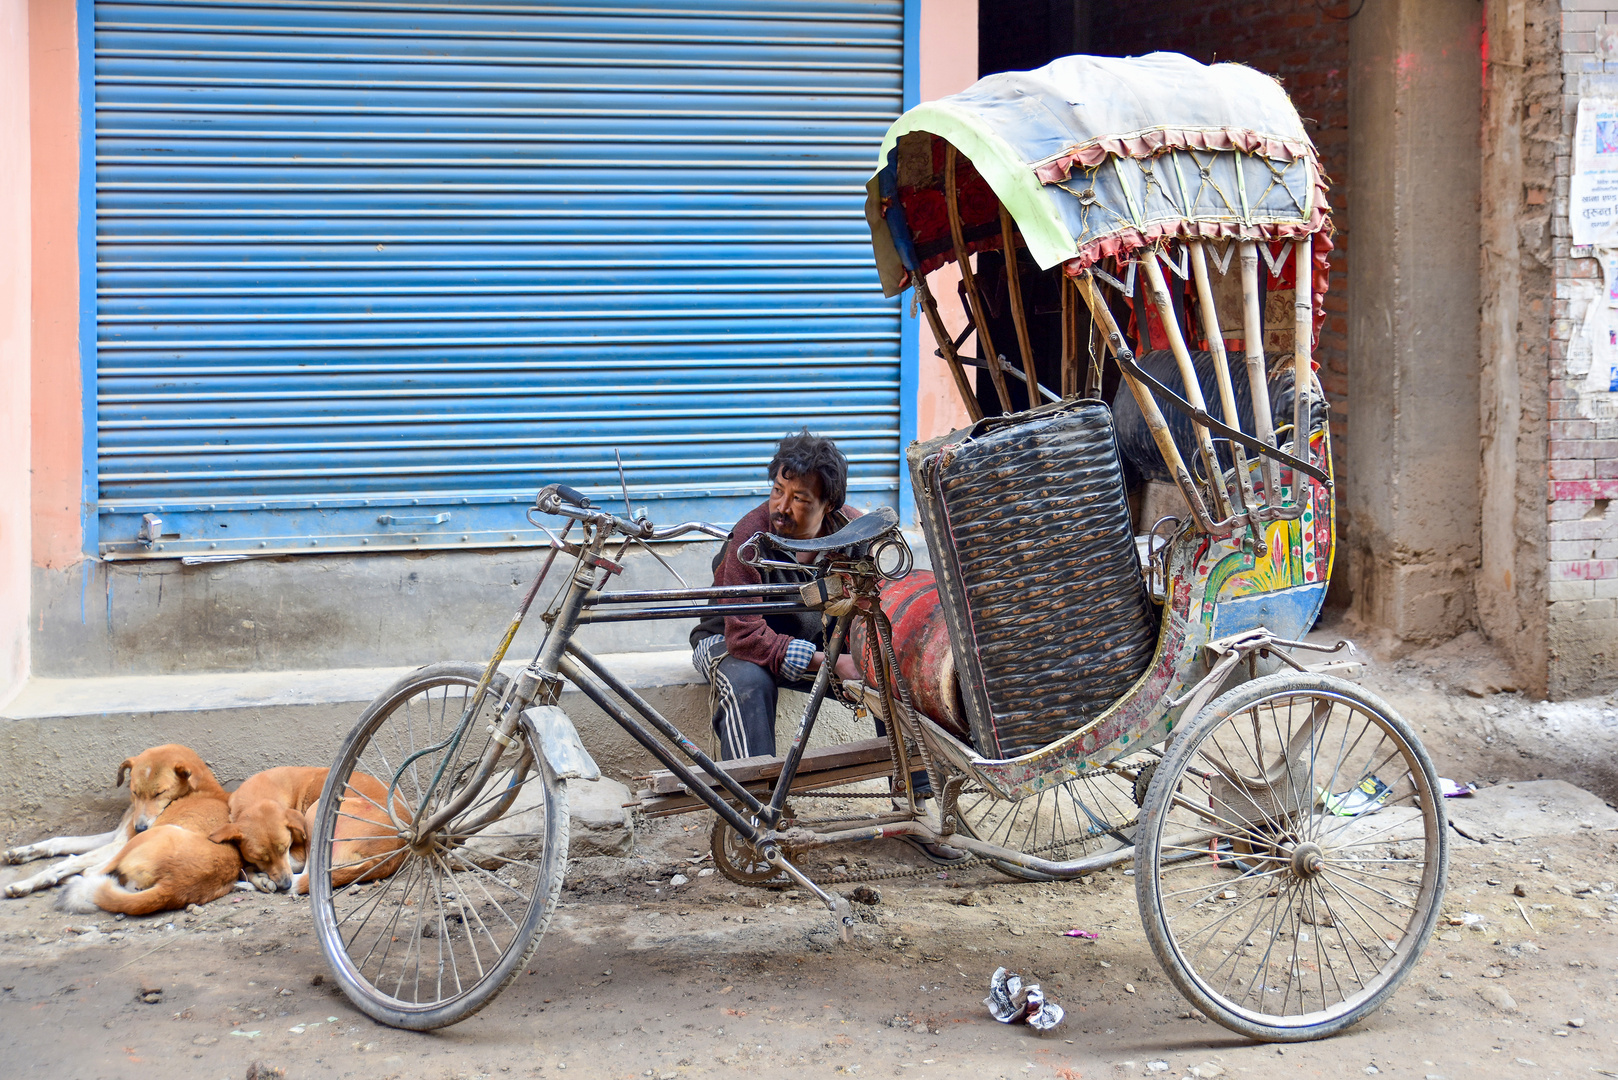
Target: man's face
(796, 509)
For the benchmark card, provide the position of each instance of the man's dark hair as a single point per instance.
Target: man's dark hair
(804, 454)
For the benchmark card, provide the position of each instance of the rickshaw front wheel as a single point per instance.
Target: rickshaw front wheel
(430, 935)
(1291, 856)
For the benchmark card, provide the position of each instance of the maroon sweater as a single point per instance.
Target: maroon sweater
(761, 639)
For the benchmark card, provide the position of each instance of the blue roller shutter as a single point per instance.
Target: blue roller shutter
(368, 273)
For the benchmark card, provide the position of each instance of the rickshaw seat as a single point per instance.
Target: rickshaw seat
(862, 530)
(1038, 575)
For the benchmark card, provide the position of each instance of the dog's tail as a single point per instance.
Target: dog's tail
(103, 892)
(79, 892)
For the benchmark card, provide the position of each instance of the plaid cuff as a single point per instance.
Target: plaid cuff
(795, 665)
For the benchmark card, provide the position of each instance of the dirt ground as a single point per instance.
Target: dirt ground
(641, 979)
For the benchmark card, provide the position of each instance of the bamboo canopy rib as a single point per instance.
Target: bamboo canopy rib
(1070, 350)
(1216, 345)
(1257, 378)
(1155, 422)
(1188, 374)
(1092, 373)
(1008, 239)
(946, 345)
(1303, 323)
(980, 314)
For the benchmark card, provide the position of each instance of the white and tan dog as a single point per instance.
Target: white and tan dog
(157, 777)
(168, 866)
(272, 816)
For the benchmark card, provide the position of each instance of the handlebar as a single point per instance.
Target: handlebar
(564, 501)
(564, 494)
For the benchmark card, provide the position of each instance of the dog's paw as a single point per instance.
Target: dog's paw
(244, 886)
(17, 889)
(262, 882)
(19, 855)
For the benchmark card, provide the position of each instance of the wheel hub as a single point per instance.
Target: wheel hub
(1308, 860)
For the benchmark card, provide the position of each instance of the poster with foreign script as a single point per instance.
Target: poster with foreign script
(1593, 201)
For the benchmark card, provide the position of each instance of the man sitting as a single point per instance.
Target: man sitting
(747, 658)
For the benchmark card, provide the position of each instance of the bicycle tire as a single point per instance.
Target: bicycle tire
(1267, 784)
(470, 907)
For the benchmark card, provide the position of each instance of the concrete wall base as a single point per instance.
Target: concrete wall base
(64, 759)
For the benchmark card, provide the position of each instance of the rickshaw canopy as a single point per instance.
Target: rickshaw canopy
(1096, 157)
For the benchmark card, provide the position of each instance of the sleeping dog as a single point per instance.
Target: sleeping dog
(157, 777)
(172, 863)
(272, 816)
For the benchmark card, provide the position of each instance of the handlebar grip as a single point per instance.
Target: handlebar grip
(563, 492)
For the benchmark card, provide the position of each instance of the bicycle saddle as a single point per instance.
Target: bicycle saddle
(862, 530)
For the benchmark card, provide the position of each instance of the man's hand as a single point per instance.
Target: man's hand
(846, 670)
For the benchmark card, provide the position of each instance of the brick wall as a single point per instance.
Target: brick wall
(1307, 50)
(1582, 487)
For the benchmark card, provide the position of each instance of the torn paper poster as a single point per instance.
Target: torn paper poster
(1592, 354)
(1593, 194)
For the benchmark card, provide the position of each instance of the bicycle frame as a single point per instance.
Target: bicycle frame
(584, 601)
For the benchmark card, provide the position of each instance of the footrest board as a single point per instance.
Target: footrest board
(828, 766)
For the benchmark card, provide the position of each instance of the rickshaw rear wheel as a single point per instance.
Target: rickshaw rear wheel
(1291, 857)
(1090, 814)
(458, 914)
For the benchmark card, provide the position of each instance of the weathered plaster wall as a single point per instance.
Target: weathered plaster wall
(1522, 124)
(1581, 518)
(58, 418)
(1413, 439)
(99, 619)
(949, 64)
(15, 494)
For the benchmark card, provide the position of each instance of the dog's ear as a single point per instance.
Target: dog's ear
(297, 826)
(124, 771)
(183, 771)
(230, 834)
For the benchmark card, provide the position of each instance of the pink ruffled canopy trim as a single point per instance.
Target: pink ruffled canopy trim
(1144, 144)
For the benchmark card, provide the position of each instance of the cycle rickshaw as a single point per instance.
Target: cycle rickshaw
(1114, 689)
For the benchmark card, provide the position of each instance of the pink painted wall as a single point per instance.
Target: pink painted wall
(15, 494)
(949, 63)
(58, 418)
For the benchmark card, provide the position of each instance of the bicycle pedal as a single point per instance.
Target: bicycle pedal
(843, 914)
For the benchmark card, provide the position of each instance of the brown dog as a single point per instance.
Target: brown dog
(169, 865)
(157, 777)
(273, 815)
